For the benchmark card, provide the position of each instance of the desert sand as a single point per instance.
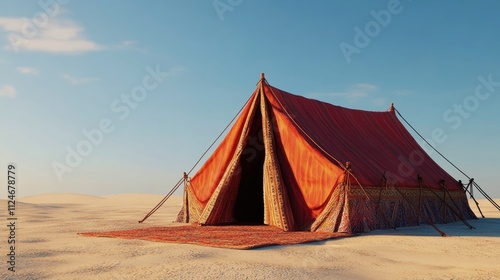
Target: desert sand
(48, 247)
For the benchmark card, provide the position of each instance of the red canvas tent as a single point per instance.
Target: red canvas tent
(301, 164)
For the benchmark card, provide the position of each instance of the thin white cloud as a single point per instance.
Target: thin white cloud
(127, 43)
(8, 91)
(11, 24)
(403, 92)
(380, 101)
(78, 80)
(27, 70)
(367, 87)
(56, 36)
(356, 92)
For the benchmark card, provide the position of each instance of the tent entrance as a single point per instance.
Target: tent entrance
(249, 208)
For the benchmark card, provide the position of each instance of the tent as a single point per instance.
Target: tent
(301, 164)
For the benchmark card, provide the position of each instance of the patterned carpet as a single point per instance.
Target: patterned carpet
(234, 237)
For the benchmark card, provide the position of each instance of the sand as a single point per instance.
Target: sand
(48, 247)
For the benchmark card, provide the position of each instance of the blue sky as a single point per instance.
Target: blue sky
(68, 66)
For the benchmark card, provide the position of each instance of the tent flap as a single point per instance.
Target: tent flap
(277, 208)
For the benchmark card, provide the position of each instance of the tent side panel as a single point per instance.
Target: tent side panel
(191, 208)
(330, 220)
(310, 178)
(219, 209)
(401, 208)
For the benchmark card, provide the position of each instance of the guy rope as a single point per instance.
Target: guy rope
(185, 178)
(472, 183)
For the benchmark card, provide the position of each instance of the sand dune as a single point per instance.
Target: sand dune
(64, 198)
(48, 247)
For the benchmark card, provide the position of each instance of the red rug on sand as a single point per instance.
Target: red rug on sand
(234, 237)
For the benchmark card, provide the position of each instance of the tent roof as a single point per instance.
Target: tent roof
(373, 142)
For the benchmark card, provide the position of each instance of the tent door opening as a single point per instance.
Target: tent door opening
(249, 209)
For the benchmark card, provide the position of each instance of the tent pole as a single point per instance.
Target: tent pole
(389, 223)
(468, 189)
(471, 187)
(445, 204)
(419, 198)
(423, 216)
(348, 171)
(186, 198)
(461, 216)
(378, 201)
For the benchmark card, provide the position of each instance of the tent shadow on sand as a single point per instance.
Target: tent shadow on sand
(484, 227)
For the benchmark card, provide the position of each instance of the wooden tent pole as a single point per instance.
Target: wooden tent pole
(377, 208)
(471, 187)
(419, 198)
(445, 204)
(470, 193)
(459, 214)
(423, 216)
(378, 202)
